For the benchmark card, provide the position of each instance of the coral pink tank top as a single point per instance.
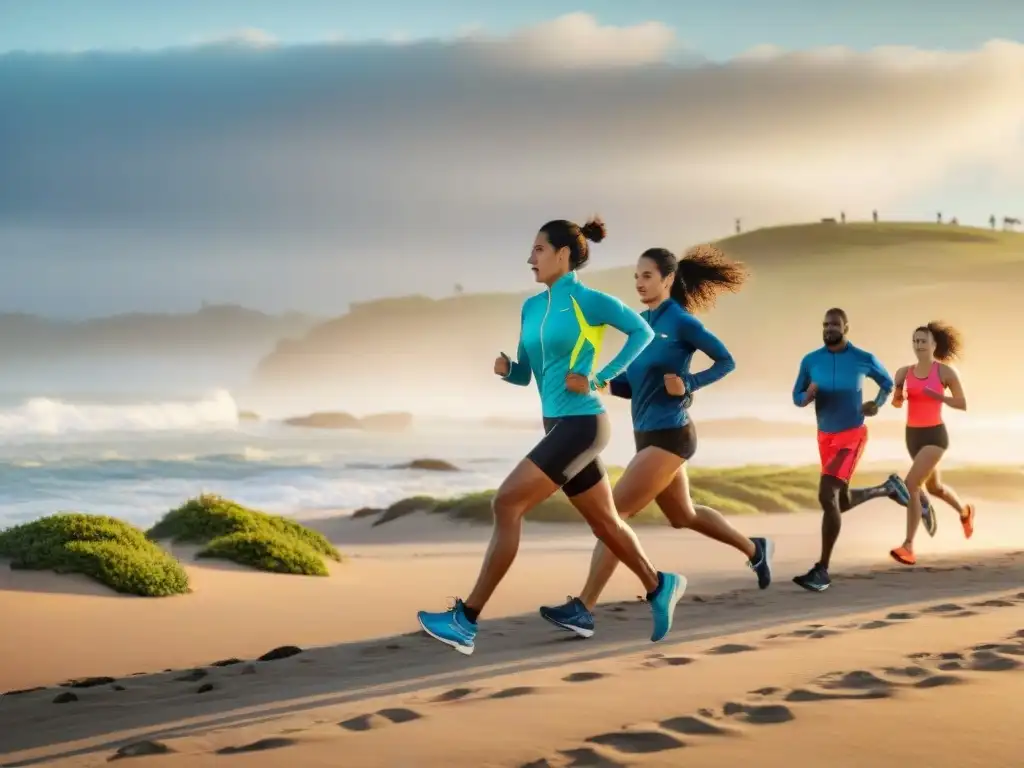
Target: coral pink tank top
(922, 410)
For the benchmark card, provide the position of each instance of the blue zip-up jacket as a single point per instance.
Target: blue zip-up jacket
(840, 380)
(677, 335)
(561, 333)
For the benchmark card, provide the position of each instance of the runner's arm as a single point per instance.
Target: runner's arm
(901, 380)
(602, 309)
(951, 379)
(519, 371)
(877, 373)
(693, 331)
(803, 381)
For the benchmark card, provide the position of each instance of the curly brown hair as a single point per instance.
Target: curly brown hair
(949, 342)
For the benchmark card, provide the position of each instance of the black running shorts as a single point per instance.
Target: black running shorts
(570, 453)
(682, 441)
(921, 437)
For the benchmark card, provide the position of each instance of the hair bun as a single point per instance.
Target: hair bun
(594, 230)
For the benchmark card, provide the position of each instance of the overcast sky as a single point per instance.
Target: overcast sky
(303, 176)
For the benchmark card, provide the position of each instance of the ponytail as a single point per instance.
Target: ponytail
(700, 275)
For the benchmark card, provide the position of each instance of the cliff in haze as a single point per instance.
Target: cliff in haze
(888, 277)
(212, 329)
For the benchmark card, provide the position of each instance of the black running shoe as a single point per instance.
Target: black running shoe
(815, 580)
(761, 562)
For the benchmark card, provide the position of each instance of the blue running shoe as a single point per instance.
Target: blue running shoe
(815, 580)
(572, 616)
(898, 491)
(671, 587)
(451, 627)
(931, 522)
(761, 563)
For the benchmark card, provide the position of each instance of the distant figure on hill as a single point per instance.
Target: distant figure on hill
(738, 227)
(874, 216)
(659, 386)
(992, 221)
(842, 217)
(938, 218)
(832, 376)
(561, 329)
(925, 382)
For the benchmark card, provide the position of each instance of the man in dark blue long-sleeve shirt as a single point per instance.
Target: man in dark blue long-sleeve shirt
(832, 377)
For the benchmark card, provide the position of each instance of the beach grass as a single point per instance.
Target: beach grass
(743, 490)
(230, 531)
(108, 550)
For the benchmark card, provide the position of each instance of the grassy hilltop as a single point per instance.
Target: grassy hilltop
(889, 277)
(742, 490)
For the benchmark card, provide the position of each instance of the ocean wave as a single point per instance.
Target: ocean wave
(42, 416)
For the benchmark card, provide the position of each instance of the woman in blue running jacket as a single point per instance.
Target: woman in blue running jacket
(560, 339)
(660, 386)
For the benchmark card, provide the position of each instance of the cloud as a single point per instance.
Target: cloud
(576, 41)
(462, 146)
(247, 36)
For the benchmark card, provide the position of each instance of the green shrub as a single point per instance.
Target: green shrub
(108, 550)
(264, 552)
(246, 536)
(208, 516)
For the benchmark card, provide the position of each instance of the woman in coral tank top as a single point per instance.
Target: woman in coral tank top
(923, 386)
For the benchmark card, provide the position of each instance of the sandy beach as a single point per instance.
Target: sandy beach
(846, 674)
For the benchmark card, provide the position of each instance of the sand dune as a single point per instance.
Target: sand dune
(743, 675)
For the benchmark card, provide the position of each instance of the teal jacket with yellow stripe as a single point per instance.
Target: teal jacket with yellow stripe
(561, 333)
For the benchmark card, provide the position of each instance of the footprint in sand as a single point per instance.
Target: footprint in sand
(574, 758)
(283, 652)
(263, 745)
(730, 648)
(583, 677)
(637, 742)
(658, 660)
(758, 714)
(878, 624)
(455, 694)
(912, 673)
(383, 717)
(994, 604)
(938, 681)
(511, 693)
(798, 633)
(88, 682)
(943, 608)
(818, 634)
(140, 749)
(901, 616)
(689, 725)
(990, 661)
(859, 684)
